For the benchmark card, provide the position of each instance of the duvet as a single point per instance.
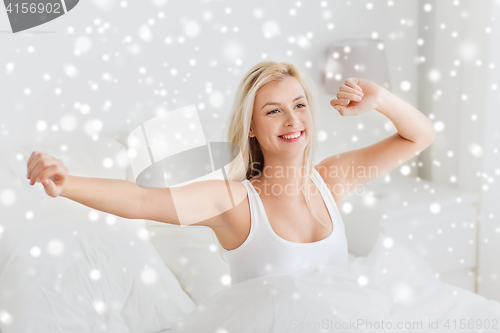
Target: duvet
(390, 290)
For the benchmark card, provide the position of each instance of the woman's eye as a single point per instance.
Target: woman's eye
(272, 112)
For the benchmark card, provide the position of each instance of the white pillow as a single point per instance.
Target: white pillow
(83, 158)
(71, 274)
(190, 253)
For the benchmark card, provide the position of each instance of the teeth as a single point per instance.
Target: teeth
(291, 136)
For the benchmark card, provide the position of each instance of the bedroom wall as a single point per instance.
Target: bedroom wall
(459, 86)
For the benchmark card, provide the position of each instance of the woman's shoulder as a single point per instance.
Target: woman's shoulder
(235, 190)
(225, 194)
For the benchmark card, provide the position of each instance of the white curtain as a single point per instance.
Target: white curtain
(459, 86)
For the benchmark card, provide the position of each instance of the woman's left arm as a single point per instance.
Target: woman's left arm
(410, 123)
(415, 133)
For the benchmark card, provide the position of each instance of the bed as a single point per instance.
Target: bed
(65, 267)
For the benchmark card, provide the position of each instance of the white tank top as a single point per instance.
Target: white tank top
(265, 253)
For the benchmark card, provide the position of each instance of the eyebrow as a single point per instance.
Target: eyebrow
(274, 103)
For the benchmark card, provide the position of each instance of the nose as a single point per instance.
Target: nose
(292, 119)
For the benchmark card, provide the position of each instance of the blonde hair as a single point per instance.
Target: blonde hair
(239, 120)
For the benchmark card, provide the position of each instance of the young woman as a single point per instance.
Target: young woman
(286, 217)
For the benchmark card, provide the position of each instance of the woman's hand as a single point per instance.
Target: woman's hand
(48, 171)
(356, 96)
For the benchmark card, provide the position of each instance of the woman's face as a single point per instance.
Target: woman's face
(281, 107)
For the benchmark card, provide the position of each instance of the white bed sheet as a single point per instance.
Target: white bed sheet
(390, 285)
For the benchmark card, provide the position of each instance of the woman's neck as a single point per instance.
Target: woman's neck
(281, 179)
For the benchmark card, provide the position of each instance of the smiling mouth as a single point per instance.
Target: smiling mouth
(292, 138)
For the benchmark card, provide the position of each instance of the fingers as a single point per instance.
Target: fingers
(47, 173)
(351, 91)
(347, 92)
(339, 102)
(31, 157)
(34, 158)
(40, 166)
(353, 97)
(353, 83)
(50, 189)
(340, 105)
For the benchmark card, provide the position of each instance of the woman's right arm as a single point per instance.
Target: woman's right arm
(114, 196)
(199, 203)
